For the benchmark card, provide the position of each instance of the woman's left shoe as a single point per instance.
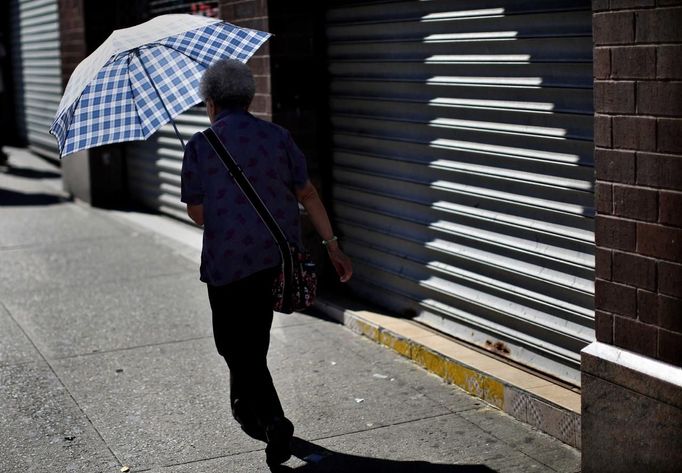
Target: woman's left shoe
(279, 434)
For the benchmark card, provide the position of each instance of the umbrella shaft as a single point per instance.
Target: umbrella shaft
(182, 142)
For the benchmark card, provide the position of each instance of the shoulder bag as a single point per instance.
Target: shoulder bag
(295, 287)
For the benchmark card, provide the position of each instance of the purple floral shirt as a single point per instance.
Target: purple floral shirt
(236, 241)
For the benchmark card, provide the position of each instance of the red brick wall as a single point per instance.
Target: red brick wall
(72, 36)
(254, 14)
(638, 160)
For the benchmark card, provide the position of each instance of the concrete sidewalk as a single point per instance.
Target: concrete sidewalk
(107, 360)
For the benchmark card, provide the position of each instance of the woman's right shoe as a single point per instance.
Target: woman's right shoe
(279, 435)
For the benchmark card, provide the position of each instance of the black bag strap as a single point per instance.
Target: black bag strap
(245, 186)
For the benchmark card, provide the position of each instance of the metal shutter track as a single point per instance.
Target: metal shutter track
(37, 70)
(463, 168)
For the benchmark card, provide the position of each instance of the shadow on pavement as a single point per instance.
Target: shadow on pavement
(320, 459)
(10, 198)
(31, 173)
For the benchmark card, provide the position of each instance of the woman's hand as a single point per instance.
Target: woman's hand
(341, 262)
(196, 213)
(308, 196)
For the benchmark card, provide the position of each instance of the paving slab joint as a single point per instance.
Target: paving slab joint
(534, 400)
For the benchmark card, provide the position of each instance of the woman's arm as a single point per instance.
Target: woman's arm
(196, 213)
(312, 203)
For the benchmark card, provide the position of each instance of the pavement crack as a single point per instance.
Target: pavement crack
(135, 347)
(61, 382)
(199, 460)
(492, 434)
(383, 426)
(317, 439)
(103, 282)
(51, 244)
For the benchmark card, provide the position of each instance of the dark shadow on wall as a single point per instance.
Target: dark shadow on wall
(12, 116)
(300, 99)
(321, 460)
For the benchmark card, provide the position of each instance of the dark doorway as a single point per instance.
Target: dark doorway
(300, 85)
(9, 134)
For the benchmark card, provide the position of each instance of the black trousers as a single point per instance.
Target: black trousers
(242, 317)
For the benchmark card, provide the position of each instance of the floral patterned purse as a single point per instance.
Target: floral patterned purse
(295, 287)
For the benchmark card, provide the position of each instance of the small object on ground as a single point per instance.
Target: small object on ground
(314, 458)
(333, 363)
(380, 376)
(125, 469)
(119, 370)
(359, 400)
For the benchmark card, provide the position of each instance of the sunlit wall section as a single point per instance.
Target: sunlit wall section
(463, 170)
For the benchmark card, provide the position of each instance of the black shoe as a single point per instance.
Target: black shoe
(248, 423)
(279, 434)
(255, 432)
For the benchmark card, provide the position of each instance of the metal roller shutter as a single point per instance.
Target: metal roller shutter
(37, 71)
(463, 170)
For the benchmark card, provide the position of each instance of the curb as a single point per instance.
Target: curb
(549, 407)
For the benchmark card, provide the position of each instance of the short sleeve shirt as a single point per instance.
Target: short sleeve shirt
(236, 242)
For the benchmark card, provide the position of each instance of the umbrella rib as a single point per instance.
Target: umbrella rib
(67, 127)
(137, 53)
(204, 63)
(132, 92)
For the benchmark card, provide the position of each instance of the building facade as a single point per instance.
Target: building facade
(506, 172)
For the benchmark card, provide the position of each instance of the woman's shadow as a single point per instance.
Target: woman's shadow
(320, 459)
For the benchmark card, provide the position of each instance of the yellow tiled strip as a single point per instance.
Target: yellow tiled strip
(492, 380)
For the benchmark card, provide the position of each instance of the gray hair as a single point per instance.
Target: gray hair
(228, 82)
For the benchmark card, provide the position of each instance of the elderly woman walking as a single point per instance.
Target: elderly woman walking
(240, 258)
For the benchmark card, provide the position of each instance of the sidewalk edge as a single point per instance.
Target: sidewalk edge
(551, 408)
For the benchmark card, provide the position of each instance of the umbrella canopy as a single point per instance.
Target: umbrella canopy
(142, 77)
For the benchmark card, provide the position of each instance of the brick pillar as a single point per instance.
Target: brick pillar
(254, 14)
(72, 36)
(631, 376)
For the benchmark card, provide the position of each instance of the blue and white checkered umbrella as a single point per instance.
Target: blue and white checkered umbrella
(144, 76)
